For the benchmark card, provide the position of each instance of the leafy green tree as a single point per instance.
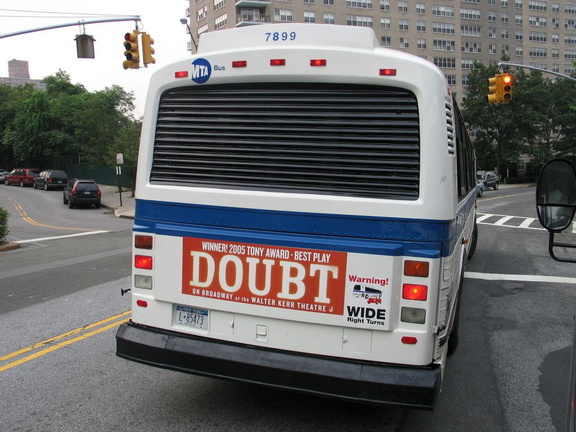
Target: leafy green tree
(538, 121)
(497, 133)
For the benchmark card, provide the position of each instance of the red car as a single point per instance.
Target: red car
(22, 177)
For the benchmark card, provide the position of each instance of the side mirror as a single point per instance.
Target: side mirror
(556, 195)
(556, 201)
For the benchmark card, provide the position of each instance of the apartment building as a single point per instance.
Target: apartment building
(452, 34)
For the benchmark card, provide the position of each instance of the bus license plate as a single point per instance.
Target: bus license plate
(191, 317)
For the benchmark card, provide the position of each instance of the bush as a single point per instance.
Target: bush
(3, 225)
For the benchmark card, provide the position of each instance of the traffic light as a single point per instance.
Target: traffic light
(494, 89)
(506, 87)
(132, 50)
(147, 49)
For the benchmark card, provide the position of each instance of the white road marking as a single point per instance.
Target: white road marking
(61, 237)
(519, 278)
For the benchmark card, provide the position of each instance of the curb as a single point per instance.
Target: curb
(9, 246)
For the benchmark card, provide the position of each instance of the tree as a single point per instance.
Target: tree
(538, 121)
(497, 135)
(66, 123)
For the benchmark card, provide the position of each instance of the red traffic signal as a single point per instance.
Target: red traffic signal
(132, 50)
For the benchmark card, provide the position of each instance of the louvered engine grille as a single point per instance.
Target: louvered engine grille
(336, 139)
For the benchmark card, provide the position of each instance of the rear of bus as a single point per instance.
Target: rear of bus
(297, 216)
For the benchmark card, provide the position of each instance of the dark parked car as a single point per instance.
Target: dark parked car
(82, 192)
(490, 179)
(51, 179)
(22, 176)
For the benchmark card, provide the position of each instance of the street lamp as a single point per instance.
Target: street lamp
(185, 22)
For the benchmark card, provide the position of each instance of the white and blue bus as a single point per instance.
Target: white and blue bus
(280, 167)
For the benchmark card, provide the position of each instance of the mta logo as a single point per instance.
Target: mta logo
(201, 70)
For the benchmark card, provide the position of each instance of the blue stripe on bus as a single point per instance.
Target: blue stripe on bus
(362, 234)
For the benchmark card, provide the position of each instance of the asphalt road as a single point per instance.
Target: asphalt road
(58, 370)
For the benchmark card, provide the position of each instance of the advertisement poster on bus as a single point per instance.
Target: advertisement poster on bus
(316, 281)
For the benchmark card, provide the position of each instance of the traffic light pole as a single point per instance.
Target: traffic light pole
(521, 66)
(135, 18)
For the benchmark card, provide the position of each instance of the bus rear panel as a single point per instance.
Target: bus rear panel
(303, 216)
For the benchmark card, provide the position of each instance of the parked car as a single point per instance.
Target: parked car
(82, 192)
(3, 174)
(490, 179)
(21, 176)
(480, 187)
(51, 179)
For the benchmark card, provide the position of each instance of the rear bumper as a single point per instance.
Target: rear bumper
(325, 376)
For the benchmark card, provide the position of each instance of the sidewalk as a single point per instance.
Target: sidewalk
(111, 200)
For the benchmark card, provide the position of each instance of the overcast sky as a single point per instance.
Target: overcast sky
(51, 50)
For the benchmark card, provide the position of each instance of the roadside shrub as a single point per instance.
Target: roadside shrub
(3, 225)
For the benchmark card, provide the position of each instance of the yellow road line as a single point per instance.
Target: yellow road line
(63, 343)
(31, 221)
(507, 196)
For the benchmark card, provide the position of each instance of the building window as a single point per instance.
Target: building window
(309, 17)
(358, 21)
(421, 43)
(519, 51)
(537, 37)
(444, 11)
(421, 26)
(518, 19)
(328, 2)
(537, 5)
(360, 4)
(201, 13)
(221, 21)
(443, 28)
(403, 24)
(444, 45)
(537, 52)
(329, 18)
(385, 23)
(283, 15)
(219, 4)
(492, 49)
(467, 64)
(504, 18)
(404, 42)
(445, 62)
(386, 41)
(385, 5)
(492, 16)
(470, 30)
(492, 33)
(472, 14)
(519, 35)
(402, 6)
(451, 79)
(504, 34)
(420, 8)
(471, 47)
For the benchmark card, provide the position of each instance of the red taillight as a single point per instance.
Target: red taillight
(277, 62)
(318, 62)
(98, 191)
(414, 292)
(387, 72)
(181, 74)
(73, 191)
(239, 64)
(142, 303)
(409, 340)
(143, 262)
